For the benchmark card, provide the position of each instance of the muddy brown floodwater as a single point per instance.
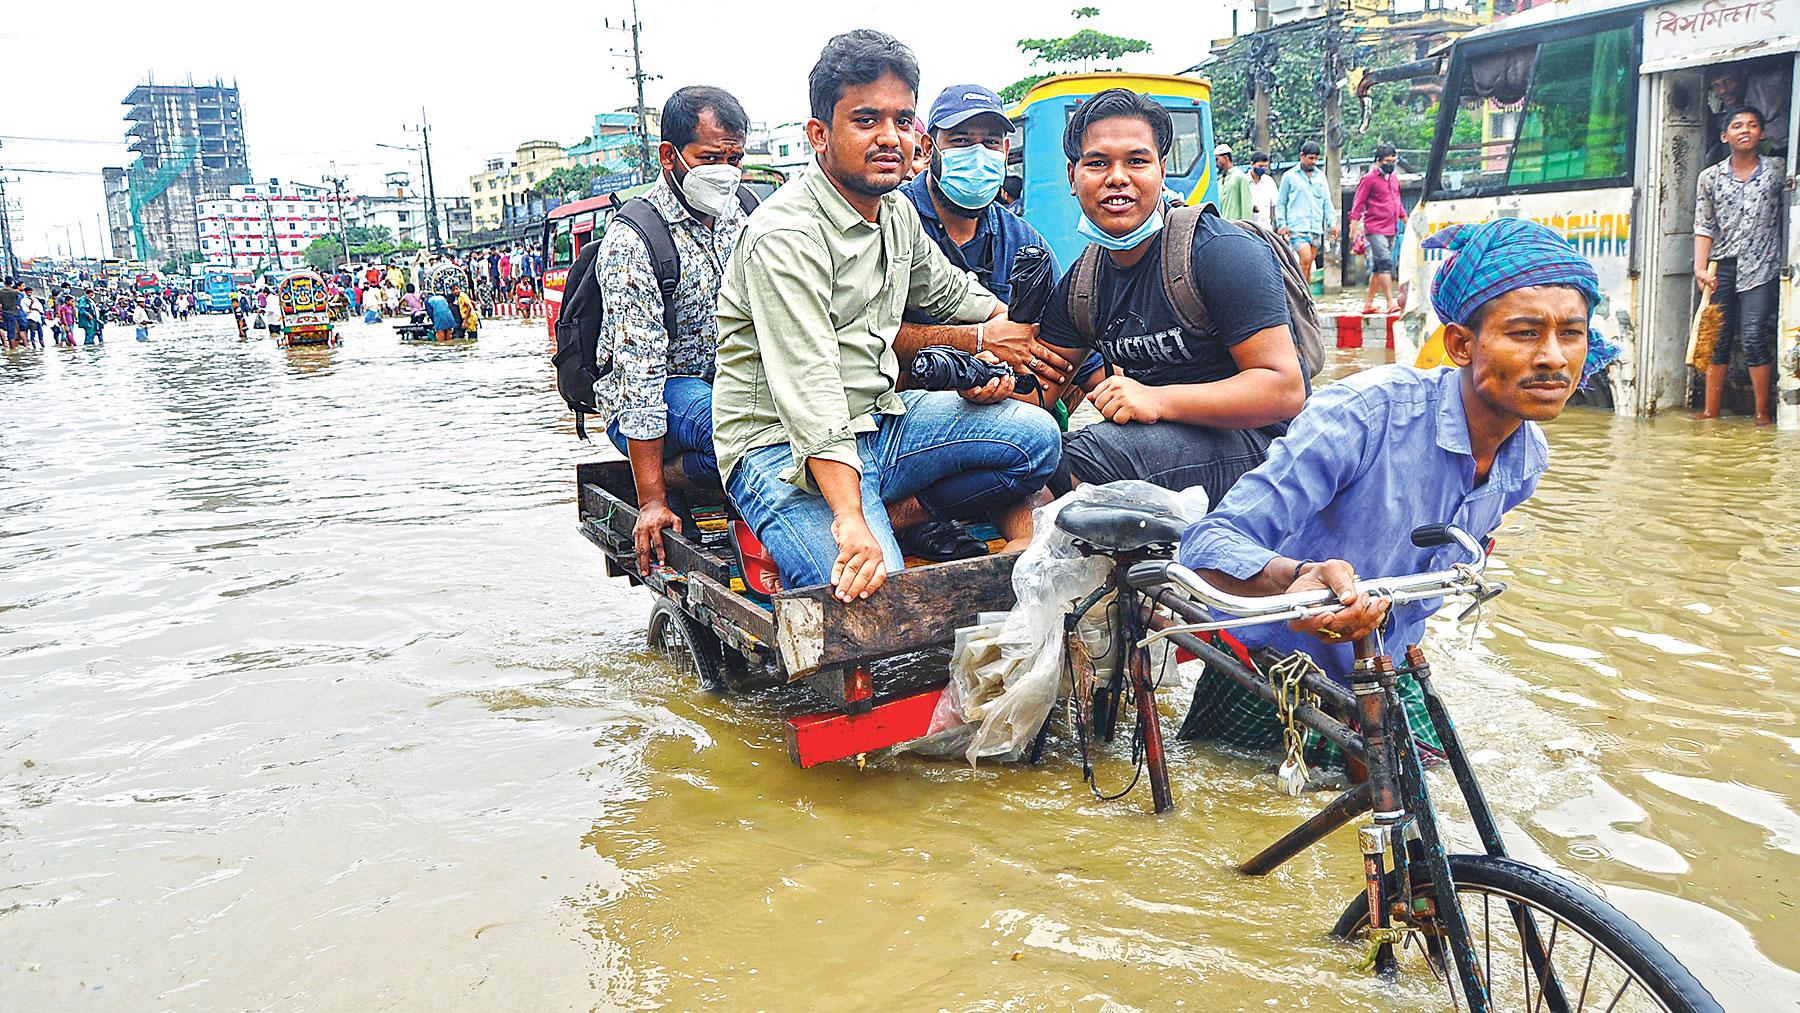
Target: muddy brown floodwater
(312, 697)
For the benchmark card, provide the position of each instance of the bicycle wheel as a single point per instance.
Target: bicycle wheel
(1601, 959)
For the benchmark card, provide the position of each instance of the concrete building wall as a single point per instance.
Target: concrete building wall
(117, 241)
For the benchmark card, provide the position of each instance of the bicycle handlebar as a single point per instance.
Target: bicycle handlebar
(1257, 610)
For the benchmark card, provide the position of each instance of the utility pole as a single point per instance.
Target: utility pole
(637, 74)
(6, 245)
(337, 201)
(1332, 70)
(638, 77)
(431, 210)
(1259, 80)
(269, 220)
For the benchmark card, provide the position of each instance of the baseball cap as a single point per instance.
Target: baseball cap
(961, 102)
(1223, 149)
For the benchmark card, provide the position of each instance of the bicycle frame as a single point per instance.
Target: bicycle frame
(1404, 820)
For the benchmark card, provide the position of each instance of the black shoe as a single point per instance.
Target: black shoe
(940, 542)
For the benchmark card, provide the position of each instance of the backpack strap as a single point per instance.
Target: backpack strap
(1180, 287)
(665, 260)
(1086, 277)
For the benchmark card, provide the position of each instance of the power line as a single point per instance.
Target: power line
(61, 140)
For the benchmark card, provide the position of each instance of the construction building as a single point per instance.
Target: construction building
(189, 142)
(264, 228)
(118, 213)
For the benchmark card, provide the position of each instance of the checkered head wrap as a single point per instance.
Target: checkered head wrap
(1489, 260)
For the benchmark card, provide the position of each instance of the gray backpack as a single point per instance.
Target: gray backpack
(1178, 285)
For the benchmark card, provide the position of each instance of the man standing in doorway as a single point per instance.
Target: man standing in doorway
(1379, 213)
(1738, 256)
(1264, 193)
(1234, 186)
(1308, 218)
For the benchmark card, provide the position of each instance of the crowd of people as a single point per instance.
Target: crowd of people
(496, 276)
(777, 365)
(30, 320)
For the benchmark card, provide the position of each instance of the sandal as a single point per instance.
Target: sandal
(941, 542)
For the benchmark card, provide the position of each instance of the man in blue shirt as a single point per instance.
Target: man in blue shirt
(957, 197)
(1308, 218)
(1388, 450)
(443, 318)
(966, 141)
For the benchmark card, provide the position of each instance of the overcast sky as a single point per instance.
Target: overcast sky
(322, 82)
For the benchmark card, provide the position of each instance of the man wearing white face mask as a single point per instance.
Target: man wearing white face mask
(656, 353)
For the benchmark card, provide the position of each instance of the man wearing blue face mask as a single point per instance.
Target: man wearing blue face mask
(957, 199)
(1185, 402)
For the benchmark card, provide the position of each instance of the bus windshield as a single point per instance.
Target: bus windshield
(1542, 115)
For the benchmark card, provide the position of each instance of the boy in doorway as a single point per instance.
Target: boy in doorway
(1738, 255)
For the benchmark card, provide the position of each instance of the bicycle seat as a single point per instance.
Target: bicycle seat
(1116, 528)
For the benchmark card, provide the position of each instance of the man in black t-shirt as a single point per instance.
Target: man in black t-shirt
(1182, 408)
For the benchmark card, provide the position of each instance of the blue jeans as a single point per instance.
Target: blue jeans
(690, 435)
(959, 459)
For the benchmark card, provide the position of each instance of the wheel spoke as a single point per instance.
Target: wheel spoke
(1549, 970)
(1622, 990)
(1487, 940)
(1593, 950)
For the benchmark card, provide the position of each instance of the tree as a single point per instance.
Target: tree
(323, 253)
(569, 179)
(1085, 48)
(179, 263)
(1397, 115)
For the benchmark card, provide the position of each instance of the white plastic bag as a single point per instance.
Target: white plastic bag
(1006, 671)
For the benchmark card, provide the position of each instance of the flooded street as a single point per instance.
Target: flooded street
(311, 696)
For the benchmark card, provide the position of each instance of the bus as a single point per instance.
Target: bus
(1037, 155)
(214, 290)
(1595, 117)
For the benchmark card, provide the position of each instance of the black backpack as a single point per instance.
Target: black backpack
(578, 325)
(1178, 285)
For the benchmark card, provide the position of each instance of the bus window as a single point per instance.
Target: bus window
(1544, 115)
(1185, 153)
(562, 251)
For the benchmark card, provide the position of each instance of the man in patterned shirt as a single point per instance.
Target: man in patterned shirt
(1738, 256)
(655, 391)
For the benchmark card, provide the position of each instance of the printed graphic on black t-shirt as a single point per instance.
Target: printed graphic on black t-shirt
(1138, 332)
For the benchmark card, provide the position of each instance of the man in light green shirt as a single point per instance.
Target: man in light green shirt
(1234, 186)
(822, 456)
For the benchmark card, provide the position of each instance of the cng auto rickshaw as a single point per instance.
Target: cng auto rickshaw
(305, 311)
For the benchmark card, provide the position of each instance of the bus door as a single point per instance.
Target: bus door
(1697, 63)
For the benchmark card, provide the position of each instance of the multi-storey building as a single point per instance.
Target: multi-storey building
(265, 227)
(504, 183)
(398, 208)
(189, 142)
